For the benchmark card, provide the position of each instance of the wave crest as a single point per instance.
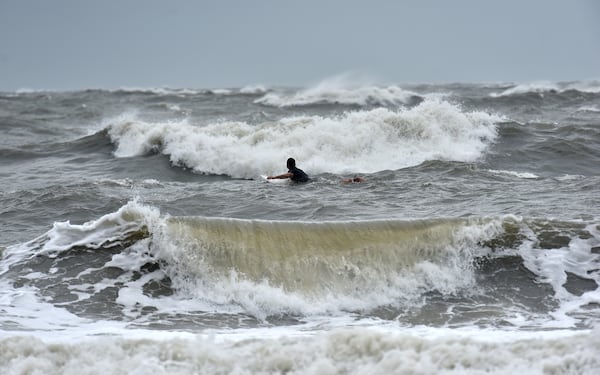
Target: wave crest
(371, 95)
(345, 89)
(592, 87)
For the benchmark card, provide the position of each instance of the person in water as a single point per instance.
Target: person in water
(354, 179)
(294, 173)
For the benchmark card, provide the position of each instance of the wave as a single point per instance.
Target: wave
(333, 266)
(345, 89)
(87, 144)
(246, 90)
(592, 87)
(272, 268)
(314, 260)
(254, 89)
(120, 228)
(363, 96)
(15, 154)
(589, 108)
(364, 141)
(257, 89)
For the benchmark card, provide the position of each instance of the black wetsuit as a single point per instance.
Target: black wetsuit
(298, 175)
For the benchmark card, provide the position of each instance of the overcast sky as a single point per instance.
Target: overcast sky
(78, 44)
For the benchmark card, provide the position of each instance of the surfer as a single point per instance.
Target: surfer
(294, 173)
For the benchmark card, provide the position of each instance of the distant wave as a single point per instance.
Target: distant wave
(547, 87)
(366, 141)
(344, 89)
(590, 108)
(372, 95)
(254, 89)
(246, 90)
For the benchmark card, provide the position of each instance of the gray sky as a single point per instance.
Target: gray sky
(76, 44)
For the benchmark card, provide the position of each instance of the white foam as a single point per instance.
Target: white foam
(158, 90)
(589, 108)
(109, 230)
(571, 177)
(174, 107)
(127, 182)
(26, 90)
(525, 175)
(361, 141)
(347, 351)
(552, 265)
(222, 91)
(22, 309)
(253, 89)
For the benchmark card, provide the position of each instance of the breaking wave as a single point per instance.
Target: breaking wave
(365, 141)
(273, 268)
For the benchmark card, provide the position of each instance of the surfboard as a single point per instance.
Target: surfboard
(275, 180)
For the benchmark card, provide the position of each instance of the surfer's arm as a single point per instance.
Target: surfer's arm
(285, 175)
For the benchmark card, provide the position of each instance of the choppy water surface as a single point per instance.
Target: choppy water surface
(136, 223)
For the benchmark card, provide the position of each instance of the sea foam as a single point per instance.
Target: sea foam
(343, 351)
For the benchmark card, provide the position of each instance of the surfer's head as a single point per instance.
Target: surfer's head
(291, 163)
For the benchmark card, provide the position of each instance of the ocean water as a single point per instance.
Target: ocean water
(138, 236)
